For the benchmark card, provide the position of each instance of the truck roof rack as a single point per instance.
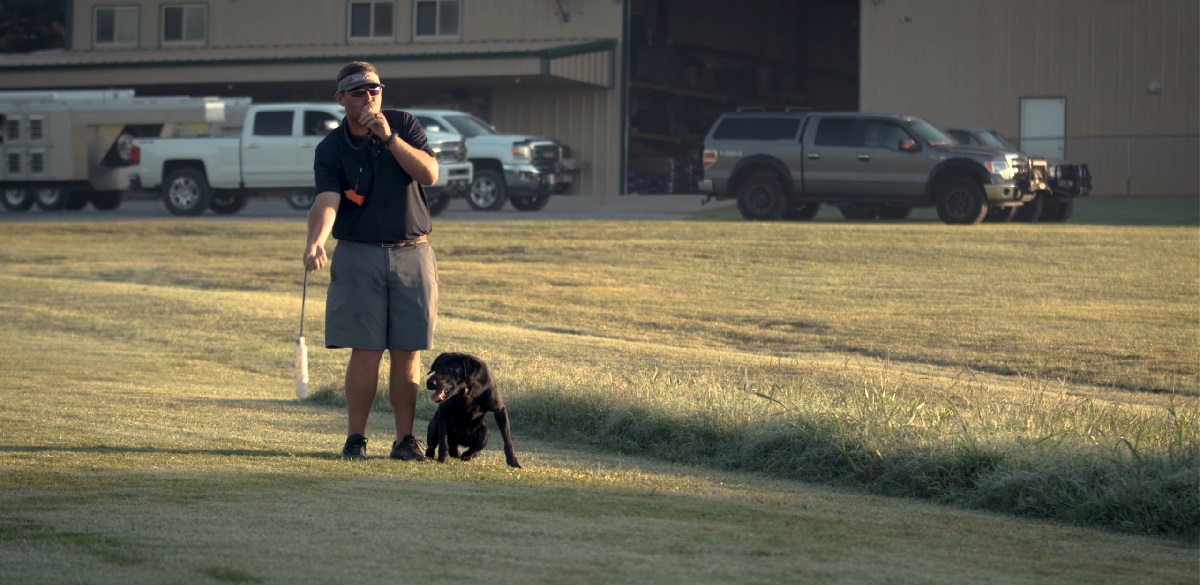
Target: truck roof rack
(751, 109)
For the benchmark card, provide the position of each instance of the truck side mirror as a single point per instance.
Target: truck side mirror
(909, 145)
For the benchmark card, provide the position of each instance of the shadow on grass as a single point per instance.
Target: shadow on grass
(1147, 493)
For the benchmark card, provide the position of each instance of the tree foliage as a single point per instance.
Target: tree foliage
(32, 25)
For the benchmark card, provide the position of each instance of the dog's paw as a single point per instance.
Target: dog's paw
(514, 463)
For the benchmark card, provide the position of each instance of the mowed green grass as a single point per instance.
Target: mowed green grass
(662, 376)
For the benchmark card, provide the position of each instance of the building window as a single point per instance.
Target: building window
(437, 18)
(117, 26)
(12, 129)
(371, 20)
(14, 162)
(185, 23)
(36, 128)
(37, 162)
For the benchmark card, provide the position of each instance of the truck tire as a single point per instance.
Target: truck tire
(859, 210)
(804, 212)
(894, 212)
(228, 203)
(106, 200)
(438, 202)
(1031, 211)
(1058, 210)
(185, 191)
(761, 197)
(961, 201)
(300, 201)
(488, 191)
(17, 199)
(535, 203)
(50, 199)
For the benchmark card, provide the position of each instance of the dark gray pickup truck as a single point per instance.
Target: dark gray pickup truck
(784, 165)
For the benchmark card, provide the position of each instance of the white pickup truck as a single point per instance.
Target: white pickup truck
(273, 156)
(520, 168)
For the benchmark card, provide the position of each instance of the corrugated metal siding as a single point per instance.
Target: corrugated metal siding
(970, 62)
(593, 68)
(493, 20)
(586, 120)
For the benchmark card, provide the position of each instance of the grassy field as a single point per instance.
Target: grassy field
(700, 401)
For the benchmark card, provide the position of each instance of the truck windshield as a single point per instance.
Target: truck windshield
(995, 140)
(929, 133)
(469, 126)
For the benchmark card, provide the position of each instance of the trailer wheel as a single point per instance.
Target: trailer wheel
(1000, 214)
(106, 200)
(536, 203)
(17, 199)
(488, 191)
(227, 203)
(50, 199)
(76, 200)
(961, 200)
(1058, 210)
(185, 191)
(1031, 211)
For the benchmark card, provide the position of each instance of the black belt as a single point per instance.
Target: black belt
(400, 244)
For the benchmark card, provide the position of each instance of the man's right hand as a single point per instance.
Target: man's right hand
(315, 258)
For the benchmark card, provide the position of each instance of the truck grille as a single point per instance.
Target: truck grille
(450, 152)
(546, 157)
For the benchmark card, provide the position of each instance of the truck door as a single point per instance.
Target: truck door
(831, 156)
(886, 170)
(269, 149)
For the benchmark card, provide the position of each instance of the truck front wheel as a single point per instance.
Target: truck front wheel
(186, 192)
(761, 197)
(962, 201)
(488, 191)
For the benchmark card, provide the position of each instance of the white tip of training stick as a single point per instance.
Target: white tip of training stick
(301, 369)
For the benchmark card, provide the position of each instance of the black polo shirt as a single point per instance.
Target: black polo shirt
(392, 206)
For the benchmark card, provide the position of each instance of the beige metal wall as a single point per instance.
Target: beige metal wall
(969, 62)
(267, 23)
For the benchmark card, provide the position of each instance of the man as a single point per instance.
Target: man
(383, 286)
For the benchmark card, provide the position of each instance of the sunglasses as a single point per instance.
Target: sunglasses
(361, 91)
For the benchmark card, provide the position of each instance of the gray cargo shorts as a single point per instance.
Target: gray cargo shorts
(381, 298)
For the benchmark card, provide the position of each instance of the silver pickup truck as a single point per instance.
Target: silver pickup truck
(784, 165)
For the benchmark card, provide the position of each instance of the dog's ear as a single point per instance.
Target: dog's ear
(437, 361)
(476, 371)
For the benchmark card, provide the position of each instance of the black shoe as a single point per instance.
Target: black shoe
(409, 449)
(355, 448)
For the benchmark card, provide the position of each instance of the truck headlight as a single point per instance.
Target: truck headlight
(522, 151)
(997, 167)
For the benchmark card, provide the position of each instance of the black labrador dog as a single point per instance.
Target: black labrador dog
(464, 392)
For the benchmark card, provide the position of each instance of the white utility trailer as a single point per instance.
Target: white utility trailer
(63, 149)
